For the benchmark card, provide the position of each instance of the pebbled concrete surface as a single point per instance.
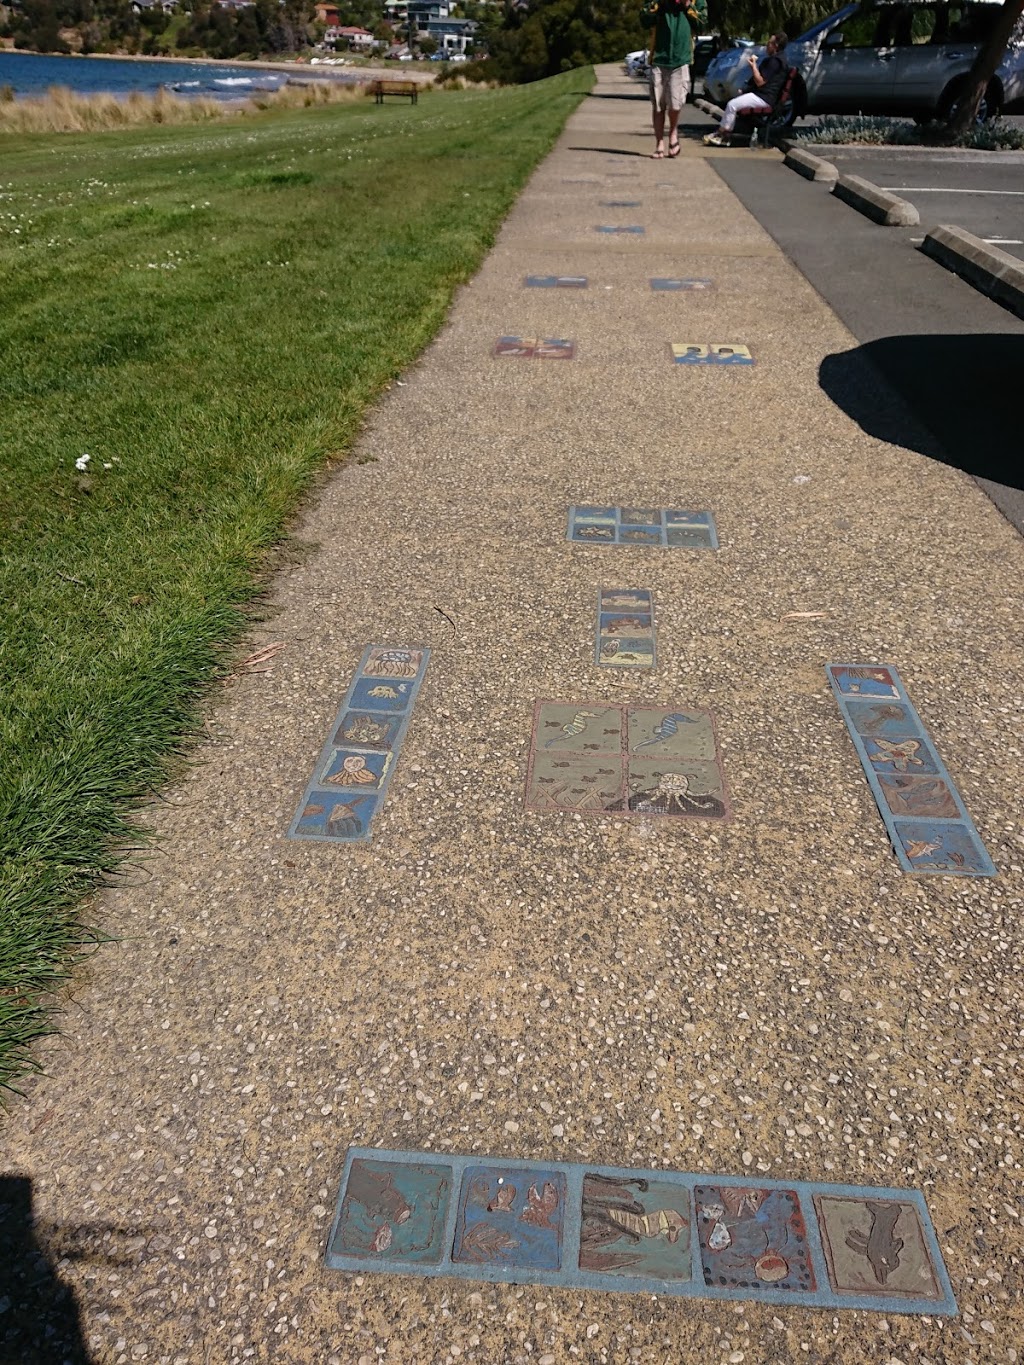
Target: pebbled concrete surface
(770, 996)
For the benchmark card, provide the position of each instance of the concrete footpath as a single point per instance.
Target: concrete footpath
(768, 997)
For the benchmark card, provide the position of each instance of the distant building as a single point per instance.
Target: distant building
(327, 14)
(358, 39)
(148, 6)
(452, 35)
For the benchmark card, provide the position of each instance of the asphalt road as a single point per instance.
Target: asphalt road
(950, 357)
(980, 191)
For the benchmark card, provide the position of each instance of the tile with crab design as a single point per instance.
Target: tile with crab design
(594, 758)
(534, 348)
(665, 526)
(710, 353)
(927, 821)
(666, 1232)
(355, 765)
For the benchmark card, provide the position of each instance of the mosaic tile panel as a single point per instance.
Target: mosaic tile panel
(594, 758)
(665, 283)
(612, 231)
(535, 348)
(625, 628)
(598, 1227)
(555, 282)
(355, 765)
(669, 527)
(710, 353)
(928, 823)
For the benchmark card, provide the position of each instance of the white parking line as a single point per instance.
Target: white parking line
(1003, 241)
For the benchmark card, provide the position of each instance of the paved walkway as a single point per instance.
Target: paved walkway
(770, 996)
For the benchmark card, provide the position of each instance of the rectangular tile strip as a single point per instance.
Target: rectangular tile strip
(621, 231)
(688, 1235)
(555, 282)
(669, 527)
(355, 765)
(927, 821)
(710, 353)
(592, 758)
(663, 283)
(625, 628)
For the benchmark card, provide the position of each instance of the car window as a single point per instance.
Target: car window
(870, 27)
(969, 23)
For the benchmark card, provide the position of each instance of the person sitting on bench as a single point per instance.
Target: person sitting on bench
(767, 80)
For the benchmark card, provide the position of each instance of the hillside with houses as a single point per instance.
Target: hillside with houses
(246, 28)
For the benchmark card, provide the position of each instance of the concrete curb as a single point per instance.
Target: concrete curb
(885, 208)
(811, 167)
(993, 272)
(712, 110)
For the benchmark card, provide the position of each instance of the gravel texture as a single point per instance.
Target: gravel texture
(772, 995)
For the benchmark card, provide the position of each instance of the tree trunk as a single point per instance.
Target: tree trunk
(984, 66)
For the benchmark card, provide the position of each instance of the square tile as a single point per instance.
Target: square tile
(668, 733)
(876, 1247)
(329, 815)
(572, 782)
(555, 282)
(864, 680)
(385, 694)
(927, 797)
(518, 347)
(883, 720)
(394, 1212)
(635, 1227)
(366, 730)
(753, 1238)
(690, 538)
(953, 848)
(673, 786)
(510, 1218)
(568, 728)
(355, 771)
(554, 348)
(394, 663)
(668, 284)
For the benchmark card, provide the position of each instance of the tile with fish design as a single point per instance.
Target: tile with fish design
(625, 628)
(710, 353)
(668, 527)
(355, 765)
(555, 282)
(665, 1232)
(591, 758)
(394, 1212)
(534, 348)
(507, 1220)
(927, 821)
(876, 1246)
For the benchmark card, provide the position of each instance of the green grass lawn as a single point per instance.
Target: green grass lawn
(207, 310)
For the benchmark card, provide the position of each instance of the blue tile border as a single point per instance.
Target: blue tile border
(533, 1195)
(669, 527)
(351, 775)
(618, 644)
(927, 821)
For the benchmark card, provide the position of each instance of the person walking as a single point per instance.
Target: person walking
(675, 22)
(766, 79)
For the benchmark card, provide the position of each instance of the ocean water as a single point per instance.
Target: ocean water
(33, 75)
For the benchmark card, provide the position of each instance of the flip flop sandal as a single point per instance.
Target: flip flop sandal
(658, 156)
(673, 148)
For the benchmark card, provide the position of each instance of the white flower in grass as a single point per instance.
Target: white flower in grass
(81, 464)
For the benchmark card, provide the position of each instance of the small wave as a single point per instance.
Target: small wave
(232, 80)
(187, 85)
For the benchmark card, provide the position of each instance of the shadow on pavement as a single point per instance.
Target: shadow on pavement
(964, 392)
(620, 95)
(40, 1324)
(607, 151)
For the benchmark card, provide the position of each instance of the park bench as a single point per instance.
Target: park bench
(382, 88)
(774, 120)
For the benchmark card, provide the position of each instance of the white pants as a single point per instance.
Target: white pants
(740, 105)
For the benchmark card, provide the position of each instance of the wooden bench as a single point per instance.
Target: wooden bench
(382, 88)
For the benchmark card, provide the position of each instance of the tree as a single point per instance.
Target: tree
(965, 111)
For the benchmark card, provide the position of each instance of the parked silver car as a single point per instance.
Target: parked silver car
(886, 57)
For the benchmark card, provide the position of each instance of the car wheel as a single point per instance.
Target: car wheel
(989, 109)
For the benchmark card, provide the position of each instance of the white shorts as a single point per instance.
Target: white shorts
(669, 86)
